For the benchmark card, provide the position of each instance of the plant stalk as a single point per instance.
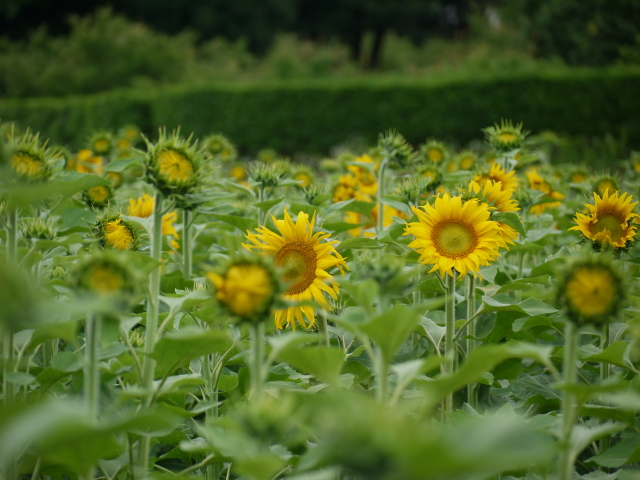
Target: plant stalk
(257, 357)
(565, 461)
(449, 345)
(148, 366)
(93, 328)
(261, 198)
(472, 388)
(603, 444)
(323, 328)
(187, 255)
(381, 186)
(8, 392)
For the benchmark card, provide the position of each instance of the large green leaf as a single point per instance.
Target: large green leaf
(177, 349)
(66, 185)
(324, 363)
(389, 330)
(614, 354)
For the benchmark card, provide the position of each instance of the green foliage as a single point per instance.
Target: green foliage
(314, 116)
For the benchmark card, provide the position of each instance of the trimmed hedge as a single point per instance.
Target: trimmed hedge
(313, 116)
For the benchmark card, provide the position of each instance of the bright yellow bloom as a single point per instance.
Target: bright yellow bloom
(537, 182)
(609, 220)
(304, 259)
(455, 235)
(372, 220)
(492, 193)
(345, 190)
(238, 173)
(175, 167)
(365, 180)
(244, 289)
(143, 207)
(101, 145)
(499, 174)
(118, 235)
(27, 165)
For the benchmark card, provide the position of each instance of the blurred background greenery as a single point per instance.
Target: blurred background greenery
(57, 49)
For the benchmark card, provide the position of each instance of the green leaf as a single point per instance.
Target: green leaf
(178, 382)
(403, 207)
(66, 185)
(177, 349)
(324, 363)
(287, 341)
(582, 437)
(391, 329)
(21, 378)
(241, 223)
(614, 354)
(121, 165)
(76, 217)
(363, 208)
(624, 452)
(503, 303)
(268, 204)
(66, 362)
(339, 227)
(358, 242)
(296, 208)
(513, 220)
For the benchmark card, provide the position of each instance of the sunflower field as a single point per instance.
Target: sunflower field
(170, 309)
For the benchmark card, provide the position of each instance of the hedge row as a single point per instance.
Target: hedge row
(314, 116)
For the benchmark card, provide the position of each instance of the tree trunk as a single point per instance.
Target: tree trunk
(376, 49)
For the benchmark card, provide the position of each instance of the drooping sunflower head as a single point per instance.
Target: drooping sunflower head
(433, 152)
(98, 196)
(220, 148)
(497, 173)
(106, 275)
(506, 136)
(101, 143)
(247, 287)
(173, 163)
(455, 235)
(396, 149)
(610, 221)
(466, 160)
(115, 233)
(591, 290)
(39, 228)
(604, 183)
(303, 258)
(30, 160)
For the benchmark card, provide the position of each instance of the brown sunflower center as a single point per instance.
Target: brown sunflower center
(298, 261)
(609, 221)
(454, 239)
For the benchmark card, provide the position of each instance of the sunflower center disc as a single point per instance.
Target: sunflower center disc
(103, 281)
(454, 239)
(591, 292)
(611, 222)
(174, 166)
(606, 185)
(298, 261)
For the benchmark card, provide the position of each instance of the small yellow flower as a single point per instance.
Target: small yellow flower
(345, 190)
(143, 207)
(115, 178)
(491, 192)
(239, 173)
(303, 179)
(123, 143)
(498, 174)
(98, 196)
(246, 289)
(119, 235)
(27, 165)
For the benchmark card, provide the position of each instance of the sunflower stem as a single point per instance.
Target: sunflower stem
(383, 377)
(148, 366)
(261, 198)
(565, 461)
(8, 393)
(187, 254)
(323, 328)
(449, 346)
(604, 375)
(257, 357)
(472, 388)
(93, 328)
(381, 184)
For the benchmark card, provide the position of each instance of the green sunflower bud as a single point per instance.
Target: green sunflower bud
(39, 228)
(393, 146)
(105, 275)
(506, 136)
(98, 196)
(220, 148)
(433, 151)
(115, 233)
(101, 143)
(30, 160)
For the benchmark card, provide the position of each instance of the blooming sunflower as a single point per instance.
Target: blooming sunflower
(366, 181)
(304, 259)
(453, 234)
(610, 220)
(537, 182)
(491, 192)
(119, 235)
(345, 190)
(499, 174)
(143, 207)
